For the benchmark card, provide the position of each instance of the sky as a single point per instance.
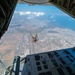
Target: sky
(36, 8)
(50, 13)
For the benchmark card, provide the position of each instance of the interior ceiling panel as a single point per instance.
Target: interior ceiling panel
(33, 2)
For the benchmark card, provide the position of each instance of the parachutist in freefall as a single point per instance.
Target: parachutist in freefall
(34, 38)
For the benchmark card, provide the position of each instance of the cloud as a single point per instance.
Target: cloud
(30, 13)
(53, 20)
(52, 16)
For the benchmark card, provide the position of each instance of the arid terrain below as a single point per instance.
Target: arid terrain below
(15, 43)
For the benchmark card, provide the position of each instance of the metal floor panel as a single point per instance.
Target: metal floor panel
(60, 62)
